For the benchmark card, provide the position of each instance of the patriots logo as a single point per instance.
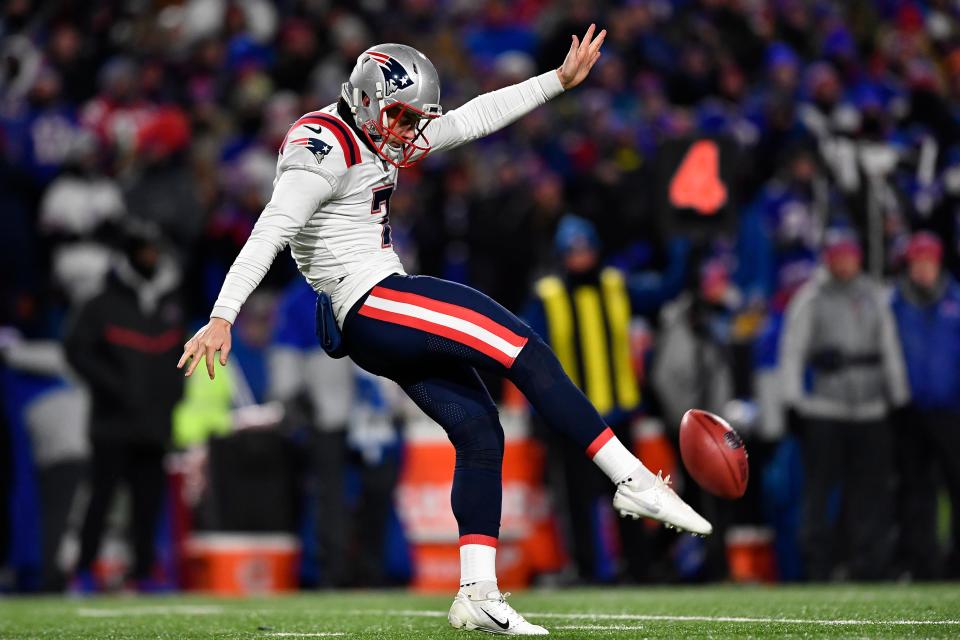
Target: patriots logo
(319, 148)
(395, 76)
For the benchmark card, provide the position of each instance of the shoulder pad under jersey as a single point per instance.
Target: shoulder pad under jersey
(320, 139)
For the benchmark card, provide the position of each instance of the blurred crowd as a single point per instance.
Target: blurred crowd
(794, 274)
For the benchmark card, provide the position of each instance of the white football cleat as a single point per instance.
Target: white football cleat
(489, 612)
(659, 502)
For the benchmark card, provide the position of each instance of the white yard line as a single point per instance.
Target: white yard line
(293, 634)
(663, 618)
(598, 627)
(191, 610)
(200, 610)
(184, 610)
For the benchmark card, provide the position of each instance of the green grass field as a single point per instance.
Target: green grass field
(850, 611)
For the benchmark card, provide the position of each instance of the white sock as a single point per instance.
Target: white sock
(617, 462)
(478, 559)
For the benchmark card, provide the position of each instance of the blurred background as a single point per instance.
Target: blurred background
(761, 198)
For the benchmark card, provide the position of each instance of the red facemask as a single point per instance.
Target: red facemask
(410, 151)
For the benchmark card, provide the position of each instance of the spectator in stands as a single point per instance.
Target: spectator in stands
(117, 113)
(927, 308)
(56, 419)
(373, 442)
(781, 232)
(693, 362)
(584, 314)
(319, 391)
(78, 217)
(6, 489)
(839, 327)
(693, 367)
(124, 343)
(163, 191)
(349, 415)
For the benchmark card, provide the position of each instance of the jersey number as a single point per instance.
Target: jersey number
(381, 207)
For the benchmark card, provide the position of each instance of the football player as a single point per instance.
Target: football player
(331, 203)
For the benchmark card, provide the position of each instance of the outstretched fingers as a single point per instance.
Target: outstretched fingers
(585, 44)
(187, 352)
(588, 51)
(196, 355)
(594, 47)
(224, 352)
(211, 350)
(193, 353)
(581, 57)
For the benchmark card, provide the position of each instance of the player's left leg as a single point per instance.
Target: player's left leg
(454, 396)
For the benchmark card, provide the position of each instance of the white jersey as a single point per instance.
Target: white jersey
(331, 199)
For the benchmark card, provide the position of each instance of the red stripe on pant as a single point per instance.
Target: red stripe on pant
(477, 538)
(440, 330)
(464, 313)
(605, 436)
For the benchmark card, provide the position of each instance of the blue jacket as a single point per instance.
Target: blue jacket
(930, 335)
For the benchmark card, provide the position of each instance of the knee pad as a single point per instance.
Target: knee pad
(478, 442)
(536, 365)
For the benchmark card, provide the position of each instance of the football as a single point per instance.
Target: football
(713, 454)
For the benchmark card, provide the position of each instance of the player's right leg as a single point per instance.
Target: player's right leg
(462, 325)
(540, 377)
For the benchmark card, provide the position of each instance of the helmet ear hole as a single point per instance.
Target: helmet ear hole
(366, 100)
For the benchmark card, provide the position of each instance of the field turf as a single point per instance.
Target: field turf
(849, 611)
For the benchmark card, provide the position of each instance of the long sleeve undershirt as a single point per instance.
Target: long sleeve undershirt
(296, 197)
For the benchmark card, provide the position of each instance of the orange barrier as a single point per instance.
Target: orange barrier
(113, 561)
(656, 452)
(750, 554)
(653, 447)
(240, 564)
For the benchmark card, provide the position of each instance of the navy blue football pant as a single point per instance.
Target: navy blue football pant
(430, 336)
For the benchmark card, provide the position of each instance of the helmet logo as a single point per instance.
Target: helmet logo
(395, 76)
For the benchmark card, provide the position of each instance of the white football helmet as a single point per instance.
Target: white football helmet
(387, 76)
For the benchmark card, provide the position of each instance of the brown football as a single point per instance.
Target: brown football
(713, 454)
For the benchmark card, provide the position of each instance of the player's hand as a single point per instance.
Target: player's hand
(205, 344)
(581, 58)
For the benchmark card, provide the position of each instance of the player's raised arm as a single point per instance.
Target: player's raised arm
(492, 111)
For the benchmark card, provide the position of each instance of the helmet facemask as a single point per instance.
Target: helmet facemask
(387, 133)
